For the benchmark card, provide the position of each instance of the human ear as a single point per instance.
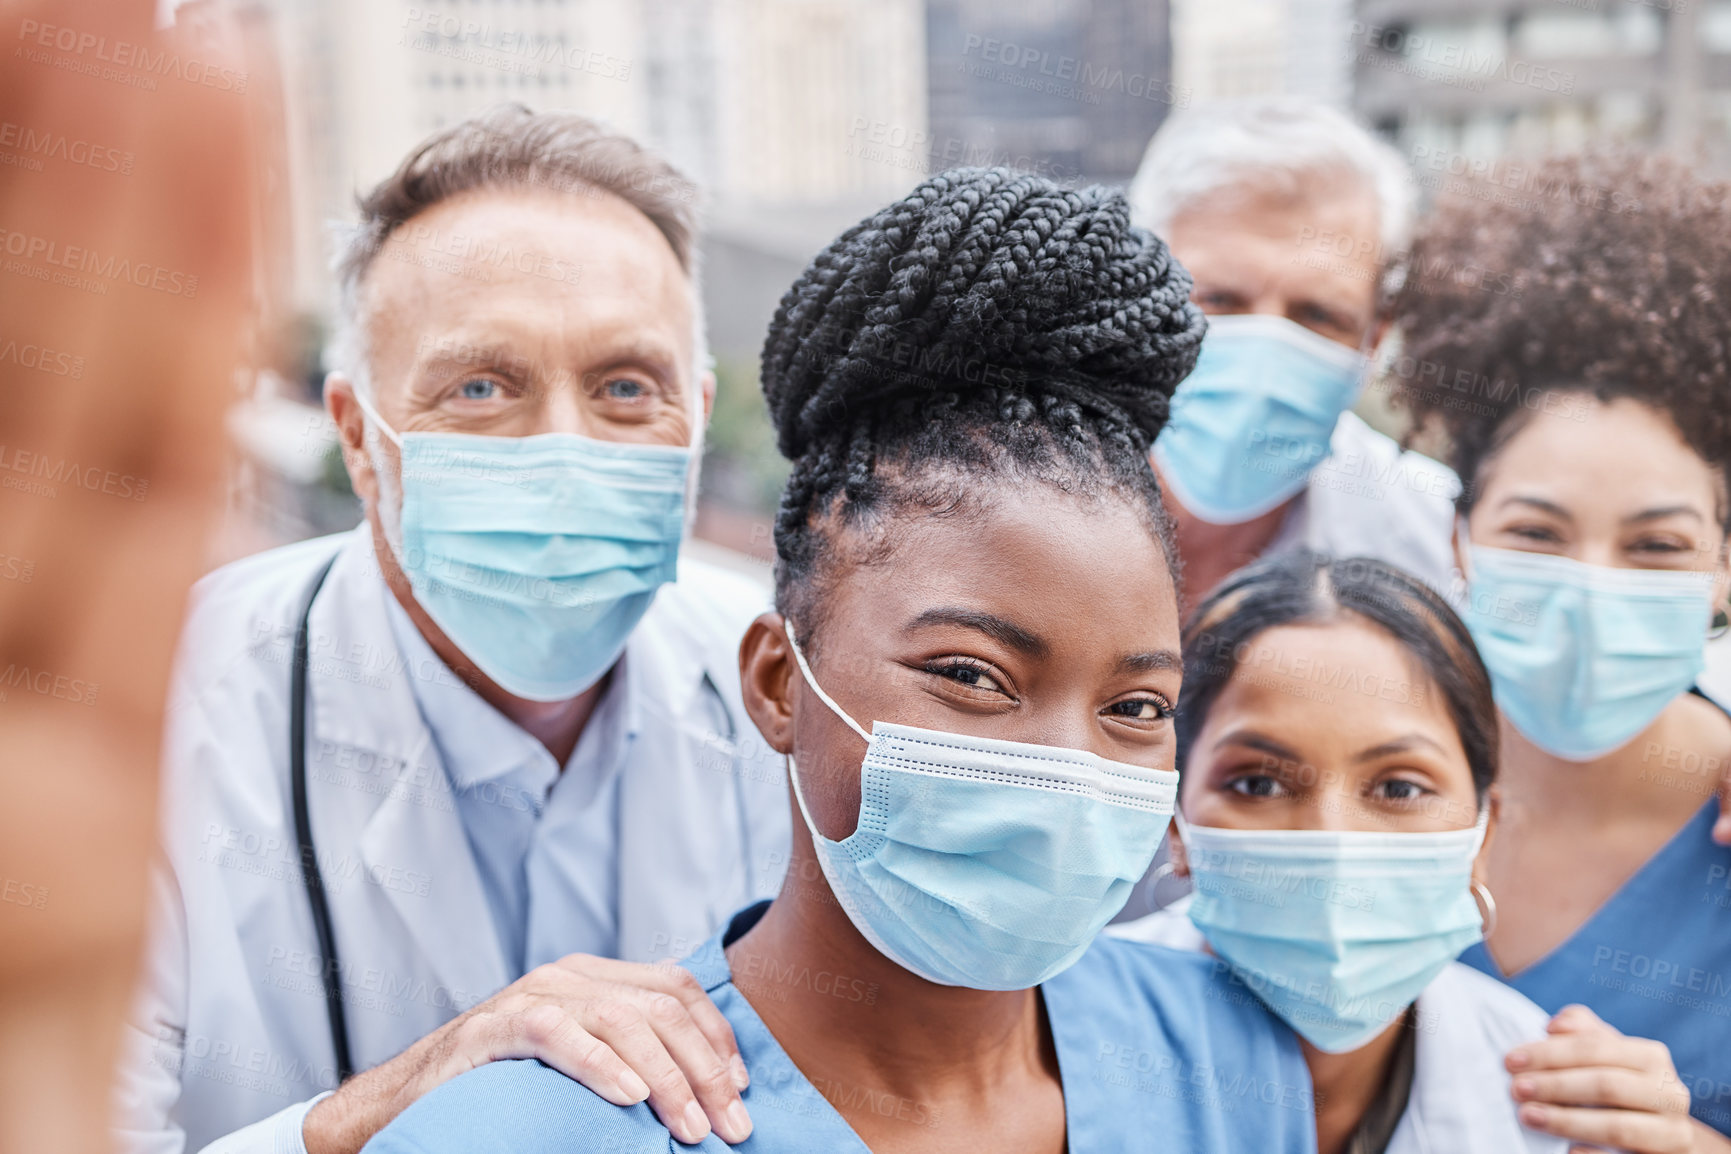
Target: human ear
(707, 386)
(1460, 541)
(1175, 852)
(765, 680)
(1494, 802)
(1374, 337)
(1722, 579)
(345, 413)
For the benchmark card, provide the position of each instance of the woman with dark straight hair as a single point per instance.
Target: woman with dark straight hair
(1339, 748)
(1338, 743)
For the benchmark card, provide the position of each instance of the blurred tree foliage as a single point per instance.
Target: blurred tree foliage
(741, 467)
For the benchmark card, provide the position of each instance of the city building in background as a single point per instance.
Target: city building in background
(369, 78)
(1069, 88)
(1483, 79)
(798, 117)
(1231, 49)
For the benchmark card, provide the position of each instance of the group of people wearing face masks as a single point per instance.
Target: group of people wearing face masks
(1429, 738)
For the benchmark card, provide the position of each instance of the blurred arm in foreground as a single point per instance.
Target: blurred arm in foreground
(127, 226)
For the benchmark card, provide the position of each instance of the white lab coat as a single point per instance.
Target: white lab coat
(1370, 498)
(230, 1026)
(1467, 1022)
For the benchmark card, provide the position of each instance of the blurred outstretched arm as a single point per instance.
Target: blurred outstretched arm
(129, 212)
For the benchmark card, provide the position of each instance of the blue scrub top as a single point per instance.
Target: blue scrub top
(1655, 961)
(1154, 1046)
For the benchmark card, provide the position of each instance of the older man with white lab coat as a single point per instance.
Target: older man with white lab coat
(1289, 216)
(490, 716)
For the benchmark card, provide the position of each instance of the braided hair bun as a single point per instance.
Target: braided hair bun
(982, 280)
(990, 331)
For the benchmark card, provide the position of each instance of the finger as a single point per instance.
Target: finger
(1602, 1086)
(1624, 1129)
(621, 1046)
(688, 1082)
(1562, 1051)
(710, 1076)
(679, 983)
(1576, 1018)
(552, 1035)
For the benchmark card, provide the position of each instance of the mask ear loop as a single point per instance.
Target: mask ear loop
(1159, 874)
(1487, 903)
(1487, 907)
(1461, 585)
(373, 415)
(792, 768)
(787, 627)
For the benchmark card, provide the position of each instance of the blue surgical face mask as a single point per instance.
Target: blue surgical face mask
(987, 864)
(1255, 416)
(1584, 657)
(1337, 932)
(538, 555)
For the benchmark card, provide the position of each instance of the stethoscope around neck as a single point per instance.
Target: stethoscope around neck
(330, 966)
(330, 970)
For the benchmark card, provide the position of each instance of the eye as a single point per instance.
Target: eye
(625, 389)
(1141, 709)
(1256, 785)
(971, 674)
(1537, 533)
(1322, 321)
(478, 389)
(1664, 546)
(1399, 790)
(1219, 302)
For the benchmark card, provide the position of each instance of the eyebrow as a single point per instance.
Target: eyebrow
(470, 356)
(1400, 745)
(1155, 661)
(993, 626)
(648, 349)
(1253, 740)
(456, 350)
(1654, 514)
(645, 347)
(1662, 511)
(1540, 503)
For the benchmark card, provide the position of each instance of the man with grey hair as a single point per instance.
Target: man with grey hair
(1290, 217)
(432, 786)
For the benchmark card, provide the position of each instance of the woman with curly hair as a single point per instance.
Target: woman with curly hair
(972, 673)
(1576, 352)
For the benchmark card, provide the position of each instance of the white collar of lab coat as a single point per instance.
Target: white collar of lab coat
(364, 698)
(1467, 1022)
(476, 741)
(360, 695)
(480, 744)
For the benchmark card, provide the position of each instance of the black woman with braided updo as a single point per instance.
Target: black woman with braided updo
(972, 675)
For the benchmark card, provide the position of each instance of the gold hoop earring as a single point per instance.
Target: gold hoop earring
(1487, 907)
(1721, 624)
